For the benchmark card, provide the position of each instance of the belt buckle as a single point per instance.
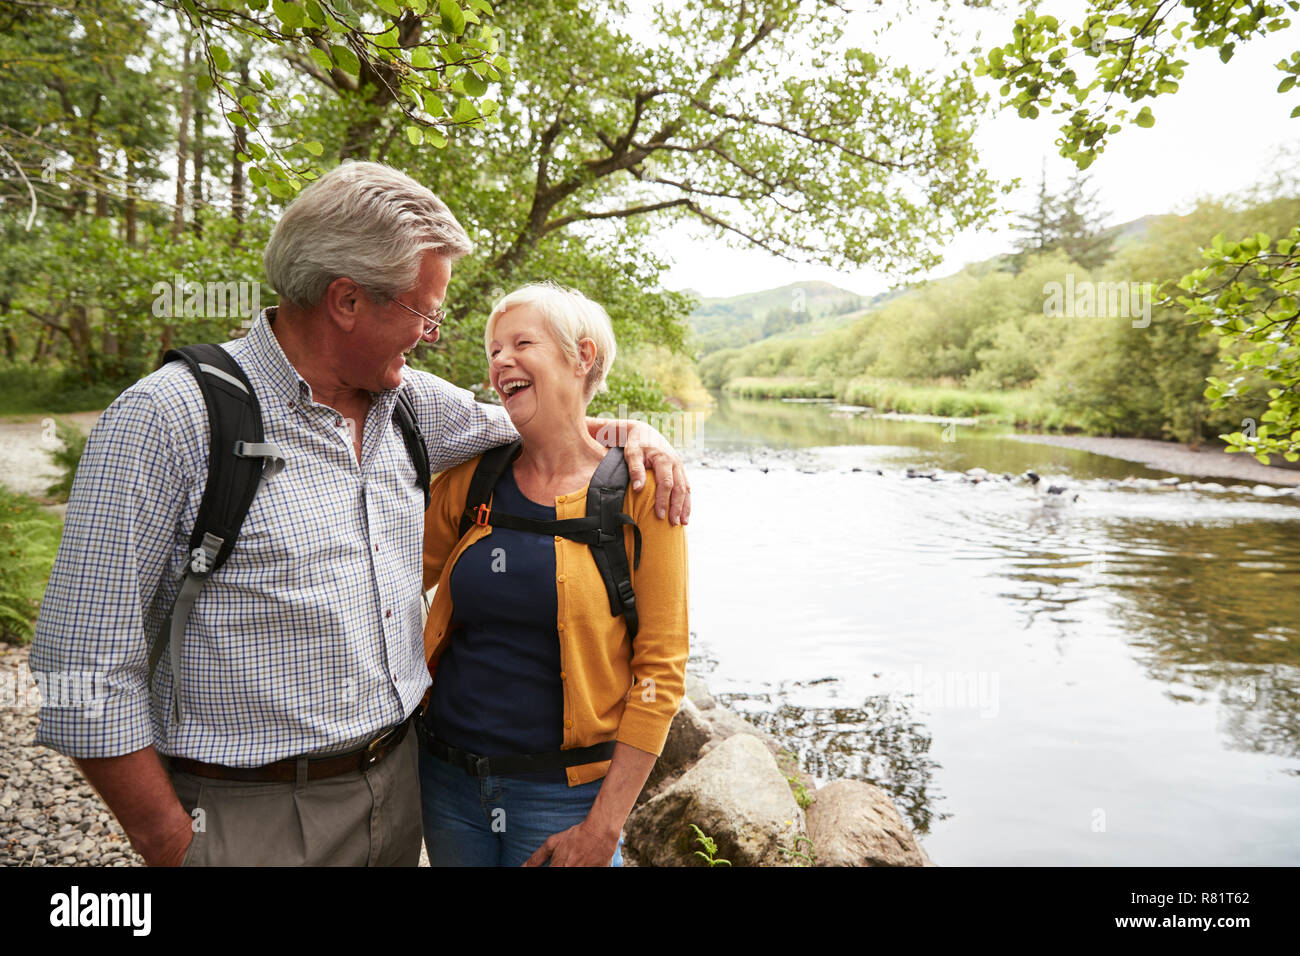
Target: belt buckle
(370, 757)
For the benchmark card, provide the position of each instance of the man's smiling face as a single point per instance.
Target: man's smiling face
(390, 332)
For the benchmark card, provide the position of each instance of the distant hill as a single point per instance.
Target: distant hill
(807, 309)
(738, 320)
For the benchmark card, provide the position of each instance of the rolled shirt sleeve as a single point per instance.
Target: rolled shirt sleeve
(90, 652)
(457, 426)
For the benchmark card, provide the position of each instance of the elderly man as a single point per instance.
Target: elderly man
(278, 736)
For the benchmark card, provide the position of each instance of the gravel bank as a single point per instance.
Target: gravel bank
(49, 814)
(1171, 457)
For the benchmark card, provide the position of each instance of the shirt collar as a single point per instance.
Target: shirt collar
(268, 358)
(278, 372)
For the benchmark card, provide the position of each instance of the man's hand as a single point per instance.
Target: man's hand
(644, 447)
(139, 792)
(583, 845)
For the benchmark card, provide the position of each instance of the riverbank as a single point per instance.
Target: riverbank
(1205, 462)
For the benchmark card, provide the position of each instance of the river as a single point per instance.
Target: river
(1109, 682)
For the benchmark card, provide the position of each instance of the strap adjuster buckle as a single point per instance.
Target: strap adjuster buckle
(481, 515)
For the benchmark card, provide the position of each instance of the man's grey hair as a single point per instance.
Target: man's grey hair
(365, 221)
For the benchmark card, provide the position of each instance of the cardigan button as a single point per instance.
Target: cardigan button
(557, 537)
(568, 725)
(559, 627)
(560, 579)
(563, 676)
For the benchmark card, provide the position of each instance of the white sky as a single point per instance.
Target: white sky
(1223, 131)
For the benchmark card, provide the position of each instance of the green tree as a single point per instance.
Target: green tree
(1135, 48)
(714, 113)
(1246, 294)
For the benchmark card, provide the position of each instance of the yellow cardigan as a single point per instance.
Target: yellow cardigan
(614, 688)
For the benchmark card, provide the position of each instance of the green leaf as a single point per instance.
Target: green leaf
(453, 18)
(473, 85)
(220, 59)
(464, 113)
(415, 134)
(390, 7)
(313, 147)
(1144, 118)
(322, 58)
(289, 13)
(347, 60)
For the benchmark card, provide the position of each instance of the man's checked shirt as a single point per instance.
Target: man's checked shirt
(309, 638)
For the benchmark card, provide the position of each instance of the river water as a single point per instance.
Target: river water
(1110, 682)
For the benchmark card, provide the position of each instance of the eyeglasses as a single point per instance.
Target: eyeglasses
(431, 322)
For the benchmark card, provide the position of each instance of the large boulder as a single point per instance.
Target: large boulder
(699, 694)
(687, 738)
(852, 823)
(738, 797)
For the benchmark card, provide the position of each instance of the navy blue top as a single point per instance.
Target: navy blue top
(497, 688)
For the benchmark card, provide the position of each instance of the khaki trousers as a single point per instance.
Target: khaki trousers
(353, 819)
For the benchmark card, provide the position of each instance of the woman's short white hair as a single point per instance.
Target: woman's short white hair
(366, 221)
(571, 317)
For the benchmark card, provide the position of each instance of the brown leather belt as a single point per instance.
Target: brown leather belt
(286, 771)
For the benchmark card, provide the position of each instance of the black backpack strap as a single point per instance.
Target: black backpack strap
(601, 529)
(487, 473)
(605, 502)
(239, 460)
(404, 416)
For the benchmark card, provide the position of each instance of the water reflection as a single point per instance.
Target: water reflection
(882, 742)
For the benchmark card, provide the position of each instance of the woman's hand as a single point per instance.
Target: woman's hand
(583, 845)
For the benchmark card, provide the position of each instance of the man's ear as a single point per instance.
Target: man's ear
(343, 302)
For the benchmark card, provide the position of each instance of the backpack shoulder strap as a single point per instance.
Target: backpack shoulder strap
(487, 473)
(605, 500)
(416, 447)
(239, 460)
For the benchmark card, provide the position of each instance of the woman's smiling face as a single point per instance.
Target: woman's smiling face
(536, 380)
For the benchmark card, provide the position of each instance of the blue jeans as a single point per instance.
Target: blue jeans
(495, 821)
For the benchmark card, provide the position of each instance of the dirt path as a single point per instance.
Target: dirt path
(1174, 458)
(25, 443)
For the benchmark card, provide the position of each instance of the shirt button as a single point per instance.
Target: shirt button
(338, 421)
(376, 547)
(388, 613)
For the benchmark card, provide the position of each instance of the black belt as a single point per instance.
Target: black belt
(286, 771)
(478, 766)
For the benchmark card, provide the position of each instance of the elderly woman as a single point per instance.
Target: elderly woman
(547, 709)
